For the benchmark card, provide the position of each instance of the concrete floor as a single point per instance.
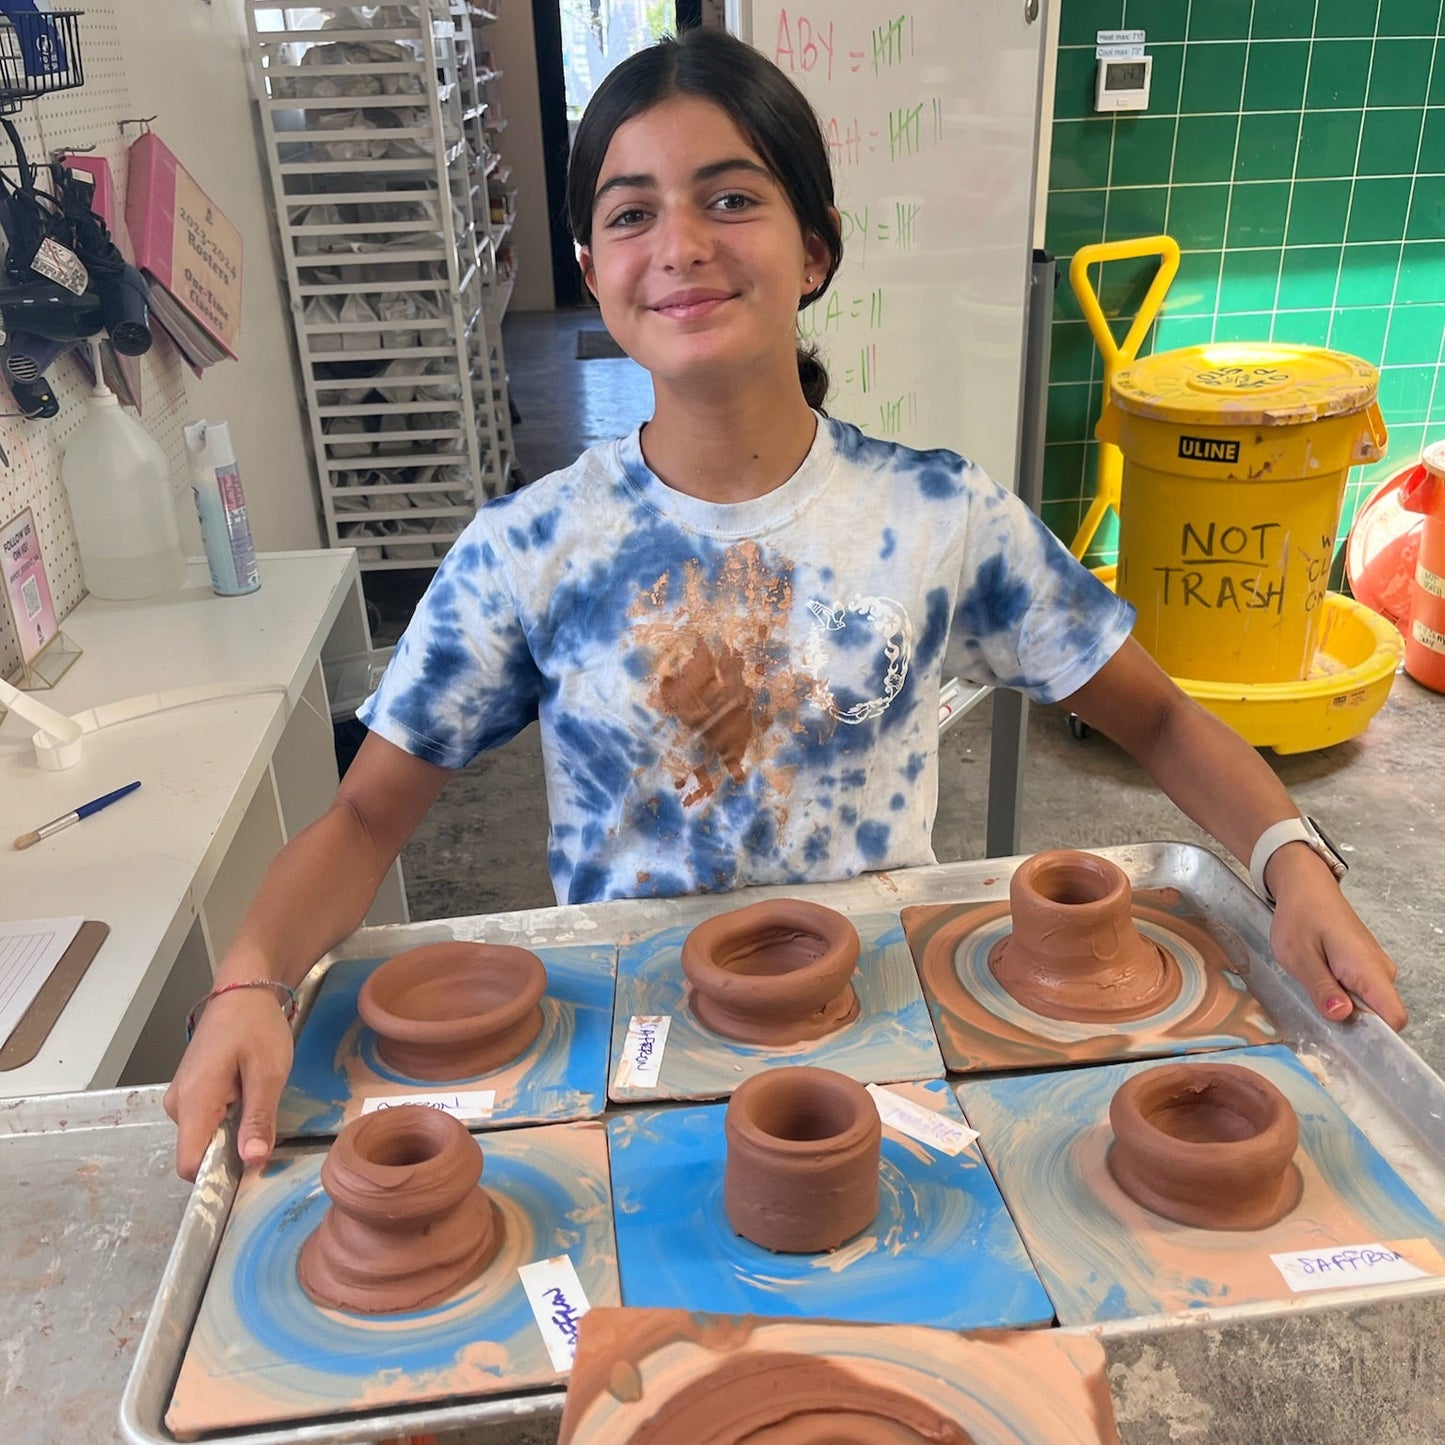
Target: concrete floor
(482, 850)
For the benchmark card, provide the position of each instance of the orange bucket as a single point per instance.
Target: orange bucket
(1424, 492)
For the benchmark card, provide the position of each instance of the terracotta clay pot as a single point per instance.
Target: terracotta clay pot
(1074, 951)
(1209, 1145)
(774, 972)
(802, 1160)
(454, 1010)
(408, 1224)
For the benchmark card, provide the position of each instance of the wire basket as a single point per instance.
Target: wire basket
(39, 53)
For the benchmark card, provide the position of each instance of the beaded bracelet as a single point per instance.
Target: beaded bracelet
(288, 1004)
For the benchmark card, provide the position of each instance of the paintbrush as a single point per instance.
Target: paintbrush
(29, 840)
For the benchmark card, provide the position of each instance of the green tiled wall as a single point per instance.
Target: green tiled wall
(1296, 151)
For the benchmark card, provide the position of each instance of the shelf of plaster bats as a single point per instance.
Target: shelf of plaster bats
(1371, 1116)
(376, 154)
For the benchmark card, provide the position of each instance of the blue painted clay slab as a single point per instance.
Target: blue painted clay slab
(943, 1250)
(1103, 1257)
(562, 1075)
(262, 1352)
(892, 1037)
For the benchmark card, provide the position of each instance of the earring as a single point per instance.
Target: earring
(807, 280)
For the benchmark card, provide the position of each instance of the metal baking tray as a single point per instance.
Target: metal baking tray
(1382, 1084)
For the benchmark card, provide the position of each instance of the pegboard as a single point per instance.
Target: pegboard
(30, 469)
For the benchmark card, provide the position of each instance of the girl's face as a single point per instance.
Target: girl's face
(697, 258)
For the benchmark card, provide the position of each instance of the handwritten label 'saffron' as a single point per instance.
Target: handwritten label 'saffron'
(558, 1304)
(642, 1051)
(477, 1104)
(1339, 1266)
(938, 1131)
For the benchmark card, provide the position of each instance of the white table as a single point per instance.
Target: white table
(224, 784)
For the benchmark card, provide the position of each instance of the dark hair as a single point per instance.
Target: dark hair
(762, 102)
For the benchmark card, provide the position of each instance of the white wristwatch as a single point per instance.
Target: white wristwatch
(1292, 830)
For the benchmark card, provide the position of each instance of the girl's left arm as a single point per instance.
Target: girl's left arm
(1214, 776)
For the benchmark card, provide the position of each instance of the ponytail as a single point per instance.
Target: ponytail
(814, 377)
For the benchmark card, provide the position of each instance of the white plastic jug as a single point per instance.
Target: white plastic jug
(121, 503)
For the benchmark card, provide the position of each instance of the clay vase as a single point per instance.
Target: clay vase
(454, 1010)
(773, 973)
(1074, 952)
(408, 1224)
(1209, 1145)
(802, 1160)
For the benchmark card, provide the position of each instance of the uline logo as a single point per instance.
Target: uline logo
(1208, 449)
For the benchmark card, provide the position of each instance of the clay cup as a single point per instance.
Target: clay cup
(803, 1147)
(1074, 951)
(1208, 1145)
(774, 972)
(408, 1224)
(454, 1010)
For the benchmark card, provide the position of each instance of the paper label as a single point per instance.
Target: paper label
(1118, 52)
(1427, 636)
(558, 1303)
(1338, 1266)
(938, 1131)
(60, 264)
(1119, 37)
(476, 1104)
(642, 1051)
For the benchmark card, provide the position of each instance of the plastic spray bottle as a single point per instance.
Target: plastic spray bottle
(221, 505)
(121, 502)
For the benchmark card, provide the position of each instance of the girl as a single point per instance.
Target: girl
(732, 624)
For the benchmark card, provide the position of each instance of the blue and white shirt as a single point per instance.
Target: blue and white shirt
(743, 693)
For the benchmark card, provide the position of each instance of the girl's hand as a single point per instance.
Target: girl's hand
(241, 1050)
(1320, 939)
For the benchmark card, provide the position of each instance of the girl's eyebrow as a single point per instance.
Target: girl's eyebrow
(711, 171)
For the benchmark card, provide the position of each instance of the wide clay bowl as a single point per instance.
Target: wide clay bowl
(803, 1147)
(454, 1010)
(773, 972)
(1209, 1145)
(408, 1224)
(1074, 951)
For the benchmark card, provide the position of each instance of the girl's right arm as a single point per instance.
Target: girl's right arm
(315, 893)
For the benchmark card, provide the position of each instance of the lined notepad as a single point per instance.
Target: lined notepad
(29, 952)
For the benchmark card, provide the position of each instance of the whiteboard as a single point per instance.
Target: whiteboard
(931, 112)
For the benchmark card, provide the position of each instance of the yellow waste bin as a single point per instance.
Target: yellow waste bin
(1235, 458)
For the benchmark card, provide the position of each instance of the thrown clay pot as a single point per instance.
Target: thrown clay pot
(802, 1159)
(1209, 1145)
(408, 1223)
(454, 1010)
(1074, 952)
(773, 973)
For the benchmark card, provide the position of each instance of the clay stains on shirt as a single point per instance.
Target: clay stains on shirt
(721, 674)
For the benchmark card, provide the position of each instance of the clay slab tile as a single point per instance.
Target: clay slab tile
(982, 1027)
(942, 1250)
(560, 1076)
(262, 1353)
(890, 1039)
(650, 1377)
(1102, 1256)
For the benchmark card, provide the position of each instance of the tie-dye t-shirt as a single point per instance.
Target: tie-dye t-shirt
(744, 693)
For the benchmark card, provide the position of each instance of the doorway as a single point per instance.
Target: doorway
(578, 42)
